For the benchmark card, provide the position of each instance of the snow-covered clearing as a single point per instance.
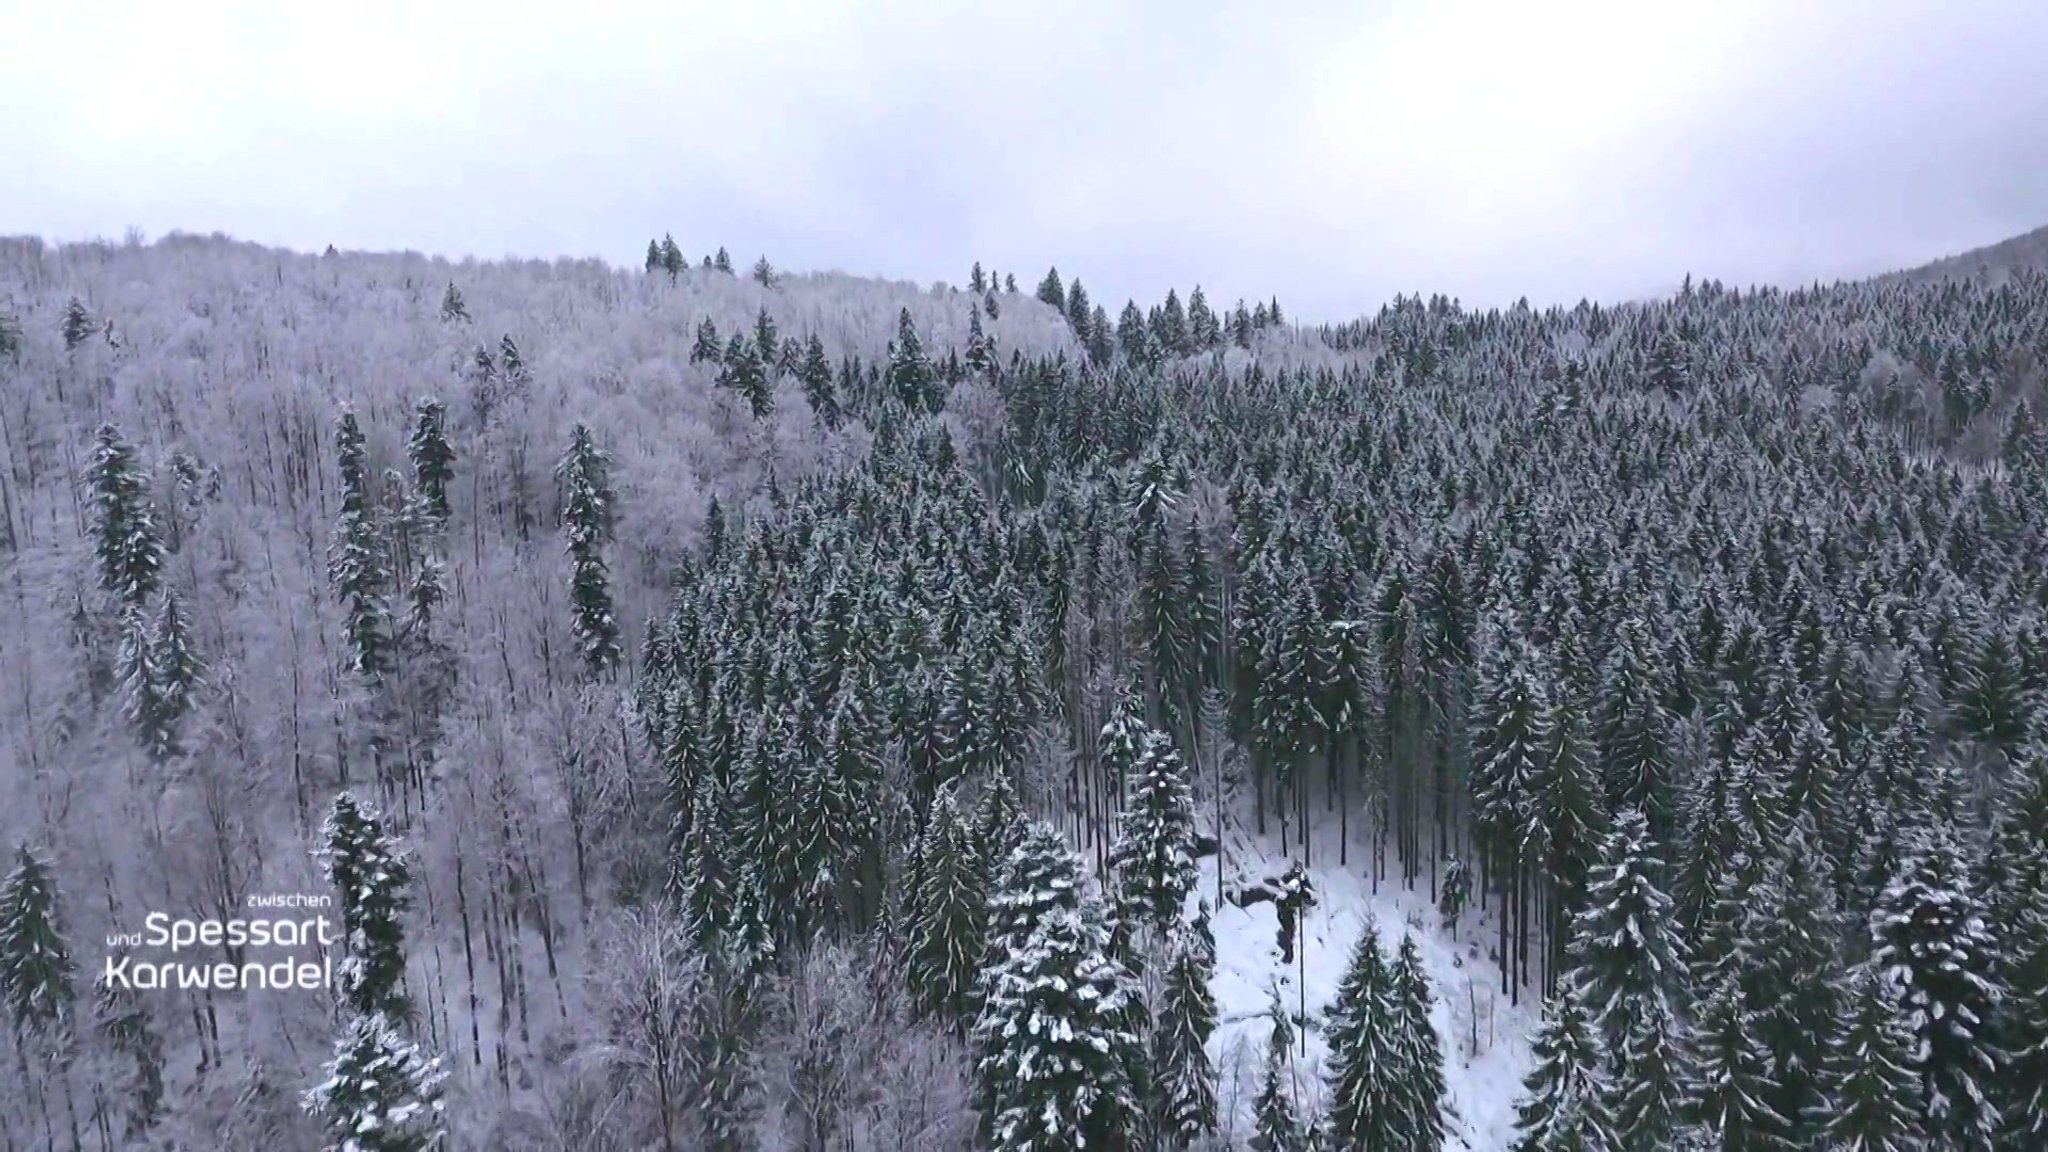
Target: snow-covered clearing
(1485, 1039)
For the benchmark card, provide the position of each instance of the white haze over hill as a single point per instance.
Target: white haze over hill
(1333, 153)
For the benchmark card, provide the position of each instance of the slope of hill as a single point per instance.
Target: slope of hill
(1993, 263)
(1680, 616)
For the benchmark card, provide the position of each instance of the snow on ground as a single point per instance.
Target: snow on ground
(1485, 1040)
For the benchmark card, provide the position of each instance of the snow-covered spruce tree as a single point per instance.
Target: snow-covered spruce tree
(1509, 741)
(1183, 1079)
(1060, 1061)
(999, 827)
(1728, 1085)
(1793, 976)
(358, 569)
(1632, 729)
(1929, 936)
(706, 349)
(1039, 875)
(744, 372)
(764, 273)
(1873, 1099)
(1051, 291)
(910, 378)
(509, 358)
(1276, 1127)
(1629, 970)
(452, 307)
(433, 460)
(2023, 1103)
(1154, 854)
(135, 666)
(77, 325)
(372, 874)
(815, 376)
(1561, 1109)
(1121, 743)
(159, 672)
(949, 911)
(767, 340)
(1455, 895)
(120, 1016)
(1369, 1108)
(36, 969)
(381, 1094)
(587, 519)
(977, 356)
(1418, 1052)
(126, 544)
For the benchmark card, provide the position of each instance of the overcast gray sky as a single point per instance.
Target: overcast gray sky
(1332, 153)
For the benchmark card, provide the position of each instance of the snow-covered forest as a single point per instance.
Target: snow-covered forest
(728, 708)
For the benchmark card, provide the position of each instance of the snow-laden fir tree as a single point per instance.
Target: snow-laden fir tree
(1276, 1126)
(1929, 936)
(946, 945)
(707, 349)
(977, 357)
(764, 273)
(121, 1017)
(1183, 1078)
(1792, 976)
(36, 969)
(910, 377)
(433, 460)
(1728, 1085)
(1121, 743)
(159, 673)
(1077, 308)
(814, 373)
(1632, 729)
(358, 569)
(1455, 894)
(1629, 970)
(126, 544)
(2023, 1104)
(372, 874)
(1059, 1042)
(1203, 326)
(509, 358)
(722, 261)
(742, 371)
(1418, 1052)
(77, 326)
(452, 307)
(1370, 1106)
(767, 340)
(584, 474)
(381, 1094)
(135, 667)
(1510, 739)
(1561, 1109)
(1154, 855)
(1050, 290)
(1873, 1098)
(1038, 875)
(998, 828)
